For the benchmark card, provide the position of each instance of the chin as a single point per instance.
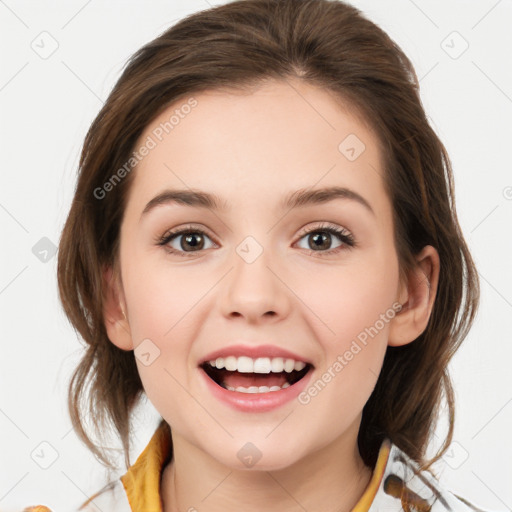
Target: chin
(252, 456)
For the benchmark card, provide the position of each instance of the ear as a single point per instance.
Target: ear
(417, 297)
(114, 308)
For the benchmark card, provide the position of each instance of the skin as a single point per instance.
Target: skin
(252, 150)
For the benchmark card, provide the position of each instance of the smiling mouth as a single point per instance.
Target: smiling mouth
(254, 382)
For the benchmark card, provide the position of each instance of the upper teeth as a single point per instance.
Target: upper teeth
(246, 364)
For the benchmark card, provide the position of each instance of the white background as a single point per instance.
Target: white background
(46, 107)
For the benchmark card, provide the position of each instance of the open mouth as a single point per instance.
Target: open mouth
(249, 382)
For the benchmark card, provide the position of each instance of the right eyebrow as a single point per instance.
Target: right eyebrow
(192, 198)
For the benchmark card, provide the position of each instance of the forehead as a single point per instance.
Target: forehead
(278, 137)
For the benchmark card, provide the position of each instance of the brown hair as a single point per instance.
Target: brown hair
(237, 46)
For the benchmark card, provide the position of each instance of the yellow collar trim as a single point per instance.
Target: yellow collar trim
(142, 481)
(365, 501)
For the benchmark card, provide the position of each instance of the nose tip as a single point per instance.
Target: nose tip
(254, 291)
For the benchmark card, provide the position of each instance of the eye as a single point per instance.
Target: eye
(323, 237)
(185, 238)
(190, 239)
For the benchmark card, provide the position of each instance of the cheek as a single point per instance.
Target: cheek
(342, 303)
(354, 305)
(159, 299)
(162, 348)
(160, 308)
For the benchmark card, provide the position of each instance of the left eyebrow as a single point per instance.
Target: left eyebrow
(296, 199)
(308, 197)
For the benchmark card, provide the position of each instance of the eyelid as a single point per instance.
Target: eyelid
(323, 225)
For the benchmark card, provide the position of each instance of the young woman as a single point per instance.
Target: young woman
(264, 242)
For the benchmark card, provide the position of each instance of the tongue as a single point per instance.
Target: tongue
(246, 380)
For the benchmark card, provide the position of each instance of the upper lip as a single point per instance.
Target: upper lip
(253, 352)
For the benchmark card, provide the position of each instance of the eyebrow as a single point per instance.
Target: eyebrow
(297, 199)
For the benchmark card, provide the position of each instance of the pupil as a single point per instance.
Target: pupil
(323, 237)
(188, 239)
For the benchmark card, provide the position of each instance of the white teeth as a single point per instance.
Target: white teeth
(277, 364)
(255, 389)
(246, 364)
(230, 363)
(299, 365)
(262, 365)
(288, 365)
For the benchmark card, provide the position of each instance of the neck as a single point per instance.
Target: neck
(330, 479)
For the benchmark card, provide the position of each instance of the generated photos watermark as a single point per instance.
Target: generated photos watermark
(151, 142)
(344, 359)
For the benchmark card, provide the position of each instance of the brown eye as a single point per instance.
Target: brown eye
(320, 240)
(194, 240)
(185, 241)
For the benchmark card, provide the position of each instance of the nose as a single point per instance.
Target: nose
(255, 290)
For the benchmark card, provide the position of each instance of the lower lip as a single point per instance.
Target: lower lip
(256, 402)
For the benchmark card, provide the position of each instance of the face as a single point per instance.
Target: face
(317, 280)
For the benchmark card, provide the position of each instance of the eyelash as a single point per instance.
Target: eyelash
(345, 237)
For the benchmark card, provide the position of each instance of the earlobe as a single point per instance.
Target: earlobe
(114, 311)
(417, 298)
